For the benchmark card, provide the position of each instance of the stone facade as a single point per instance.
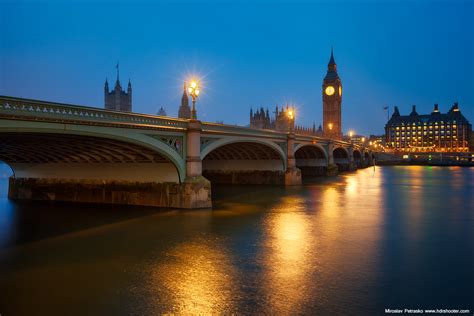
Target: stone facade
(118, 99)
(332, 100)
(435, 132)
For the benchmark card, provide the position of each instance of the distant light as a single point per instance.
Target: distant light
(290, 114)
(193, 84)
(405, 156)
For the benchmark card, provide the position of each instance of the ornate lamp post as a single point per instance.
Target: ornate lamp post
(194, 92)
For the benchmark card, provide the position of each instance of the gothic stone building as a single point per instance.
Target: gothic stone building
(332, 99)
(435, 132)
(118, 99)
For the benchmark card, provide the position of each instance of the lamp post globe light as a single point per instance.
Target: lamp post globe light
(194, 92)
(291, 115)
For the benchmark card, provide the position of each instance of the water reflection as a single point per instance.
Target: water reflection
(194, 278)
(288, 257)
(345, 245)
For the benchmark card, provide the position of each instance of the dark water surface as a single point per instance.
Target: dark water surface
(399, 237)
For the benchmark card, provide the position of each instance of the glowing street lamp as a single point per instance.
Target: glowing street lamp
(194, 92)
(291, 115)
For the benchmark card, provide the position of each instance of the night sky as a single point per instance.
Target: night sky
(247, 53)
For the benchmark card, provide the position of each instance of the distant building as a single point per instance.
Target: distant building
(262, 119)
(433, 132)
(161, 112)
(356, 139)
(118, 99)
(184, 110)
(332, 100)
(282, 121)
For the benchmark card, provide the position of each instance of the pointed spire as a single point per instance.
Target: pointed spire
(118, 71)
(331, 60)
(396, 112)
(184, 98)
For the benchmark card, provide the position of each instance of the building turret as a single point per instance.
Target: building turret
(413, 111)
(118, 99)
(184, 109)
(161, 112)
(396, 112)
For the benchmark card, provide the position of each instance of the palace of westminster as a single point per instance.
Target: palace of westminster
(434, 132)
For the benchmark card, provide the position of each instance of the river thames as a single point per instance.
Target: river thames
(389, 237)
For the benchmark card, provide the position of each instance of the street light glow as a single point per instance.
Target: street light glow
(194, 92)
(290, 114)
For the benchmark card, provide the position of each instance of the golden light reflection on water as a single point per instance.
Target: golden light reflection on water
(195, 279)
(306, 240)
(288, 255)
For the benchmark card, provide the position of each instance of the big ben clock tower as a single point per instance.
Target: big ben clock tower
(332, 99)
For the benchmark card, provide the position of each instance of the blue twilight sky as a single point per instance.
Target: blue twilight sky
(248, 53)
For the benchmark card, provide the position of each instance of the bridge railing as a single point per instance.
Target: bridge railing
(49, 111)
(208, 127)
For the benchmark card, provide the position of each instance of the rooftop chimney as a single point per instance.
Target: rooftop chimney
(435, 110)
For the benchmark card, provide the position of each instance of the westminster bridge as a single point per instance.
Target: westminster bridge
(83, 154)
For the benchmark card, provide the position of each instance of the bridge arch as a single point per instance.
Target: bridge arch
(341, 158)
(368, 157)
(311, 159)
(84, 155)
(243, 161)
(233, 140)
(317, 146)
(12, 171)
(356, 154)
(340, 153)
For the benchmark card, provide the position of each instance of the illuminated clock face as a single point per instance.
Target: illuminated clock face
(340, 90)
(329, 90)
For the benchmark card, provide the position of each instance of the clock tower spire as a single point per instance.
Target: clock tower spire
(332, 99)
